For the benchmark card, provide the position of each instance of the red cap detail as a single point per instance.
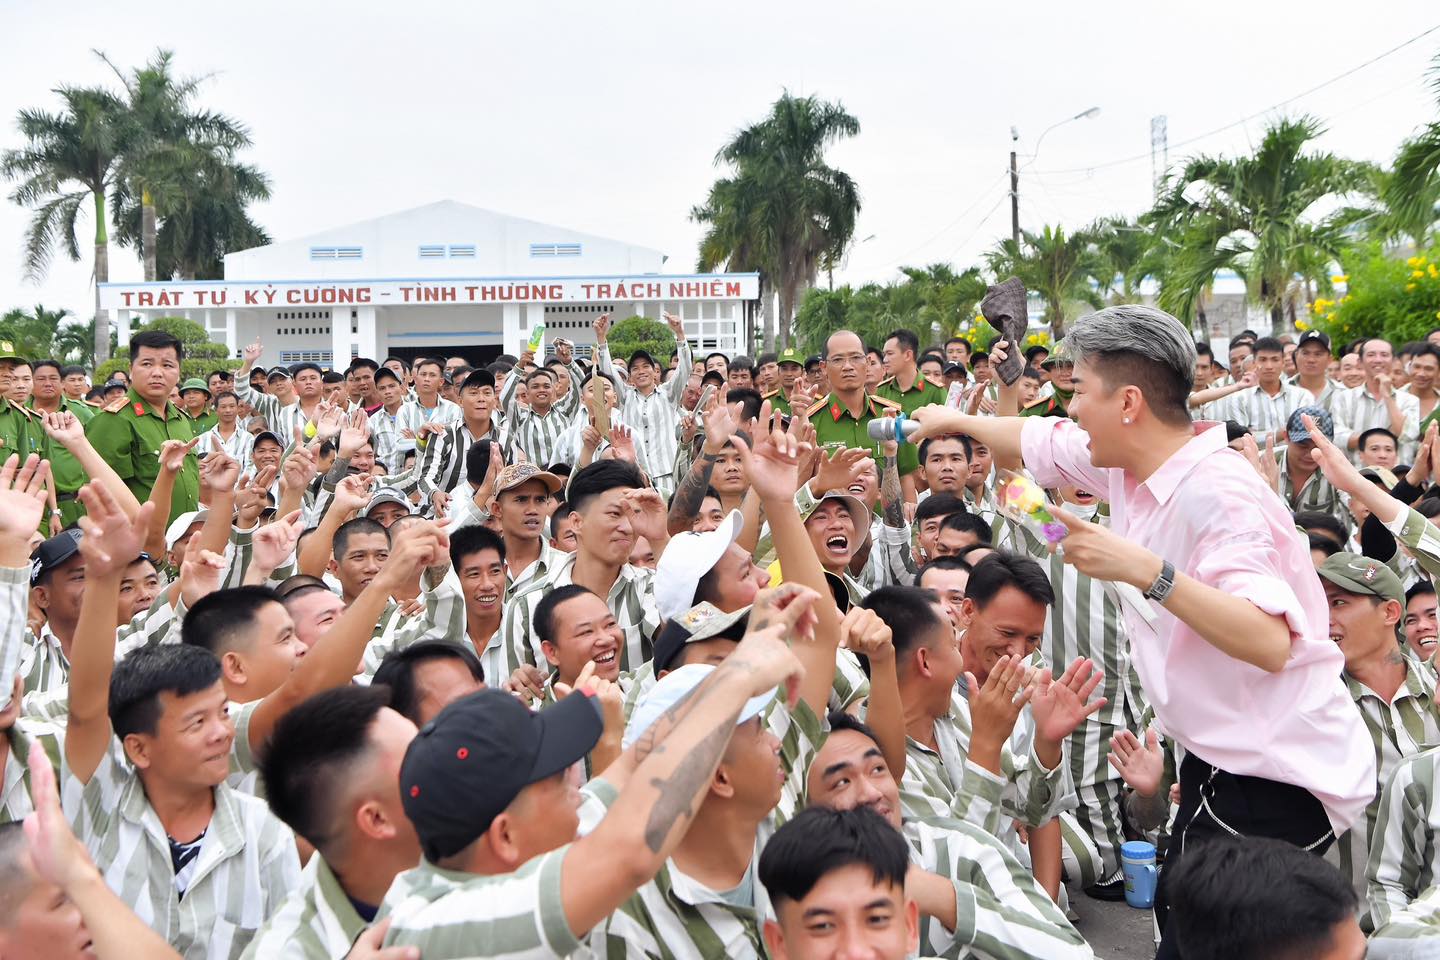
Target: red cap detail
(415, 790)
(462, 753)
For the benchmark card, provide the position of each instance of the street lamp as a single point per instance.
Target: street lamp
(1089, 114)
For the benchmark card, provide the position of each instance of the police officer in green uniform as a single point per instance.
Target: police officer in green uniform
(907, 387)
(792, 370)
(129, 436)
(17, 429)
(193, 407)
(842, 415)
(66, 474)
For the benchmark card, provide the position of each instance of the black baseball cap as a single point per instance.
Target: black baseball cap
(1314, 336)
(645, 355)
(468, 764)
(54, 552)
(477, 378)
(703, 621)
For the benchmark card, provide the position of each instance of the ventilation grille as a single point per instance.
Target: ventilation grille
(555, 249)
(336, 253)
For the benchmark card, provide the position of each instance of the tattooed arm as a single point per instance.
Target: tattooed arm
(892, 500)
(676, 759)
(685, 505)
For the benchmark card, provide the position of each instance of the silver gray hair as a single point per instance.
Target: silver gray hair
(1137, 330)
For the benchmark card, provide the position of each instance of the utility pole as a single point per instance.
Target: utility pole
(1014, 200)
(1159, 153)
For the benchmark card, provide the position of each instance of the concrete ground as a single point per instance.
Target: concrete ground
(1116, 931)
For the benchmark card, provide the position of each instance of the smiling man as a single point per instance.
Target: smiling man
(1420, 621)
(1395, 693)
(951, 861)
(576, 628)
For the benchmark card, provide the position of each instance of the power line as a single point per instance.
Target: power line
(1259, 113)
(959, 217)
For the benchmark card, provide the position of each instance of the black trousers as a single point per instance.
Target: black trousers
(1214, 803)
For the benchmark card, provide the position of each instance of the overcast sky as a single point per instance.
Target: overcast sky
(606, 117)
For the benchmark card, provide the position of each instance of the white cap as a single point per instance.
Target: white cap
(182, 523)
(687, 558)
(674, 687)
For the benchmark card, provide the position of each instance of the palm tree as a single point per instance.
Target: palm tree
(174, 147)
(1122, 246)
(797, 213)
(1060, 267)
(77, 148)
(735, 238)
(1254, 214)
(1412, 190)
(212, 221)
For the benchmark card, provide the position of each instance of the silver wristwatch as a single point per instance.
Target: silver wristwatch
(1159, 591)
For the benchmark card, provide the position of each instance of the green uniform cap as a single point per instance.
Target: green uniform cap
(195, 383)
(1362, 575)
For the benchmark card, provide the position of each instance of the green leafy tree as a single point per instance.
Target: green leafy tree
(641, 333)
(1122, 247)
(1060, 267)
(201, 353)
(1256, 215)
(785, 211)
(934, 302)
(181, 194)
(1411, 190)
(44, 334)
(69, 158)
(1384, 297)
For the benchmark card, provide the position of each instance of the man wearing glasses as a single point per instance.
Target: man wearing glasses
(841, 416)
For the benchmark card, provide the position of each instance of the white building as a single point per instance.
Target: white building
(443, 279)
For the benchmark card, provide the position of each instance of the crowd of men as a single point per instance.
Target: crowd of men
(669, 656)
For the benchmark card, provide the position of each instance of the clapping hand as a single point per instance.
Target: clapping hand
(1267, 466)
(1061, 706)
(996, 706)
(527, 683)
(778, 615)
(354, 434)
(328, 422)
(298, 470)
(1142, 767)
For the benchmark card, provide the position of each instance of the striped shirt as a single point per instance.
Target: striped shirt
(247, 863)
(1357, 410)
(653, 417)
(443, 619)
(1398, 729)
(1263, 413)
(412, 416)
(442, 465)
(1316, 494)
(15, 803)
(631, 600)
(508, 916)
(676, 916)
(385, 439)
(1002, 912)
(237, 448)
(1325, 399)
(45, 667)
(531, 433)
(17, 643)
(944, 782)
(316, 920)
(282, 419)
(1403, 874)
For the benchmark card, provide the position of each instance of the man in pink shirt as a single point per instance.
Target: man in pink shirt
(1233, 648)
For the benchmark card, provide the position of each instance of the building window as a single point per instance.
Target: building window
(432, 251)
(321, 357)
(337, 253)
(462, 251)
(555, 249)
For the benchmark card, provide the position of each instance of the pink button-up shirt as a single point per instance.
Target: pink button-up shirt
(1208, 512)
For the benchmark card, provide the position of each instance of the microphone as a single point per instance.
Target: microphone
(891, 428)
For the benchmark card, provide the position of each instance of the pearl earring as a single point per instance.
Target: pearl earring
(1126, 420)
